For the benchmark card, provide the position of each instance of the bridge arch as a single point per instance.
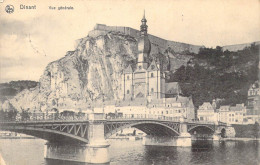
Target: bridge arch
(201, 129)
(148, 127)
(49, 134)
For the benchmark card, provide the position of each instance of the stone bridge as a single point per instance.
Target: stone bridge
(93, 130)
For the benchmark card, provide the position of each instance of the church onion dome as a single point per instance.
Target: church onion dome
(144, 45)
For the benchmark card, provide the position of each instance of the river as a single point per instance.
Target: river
(124, 152)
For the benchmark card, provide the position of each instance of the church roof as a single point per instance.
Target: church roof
(238, 107)
(172, 88)
(128, 69)
(153, 67)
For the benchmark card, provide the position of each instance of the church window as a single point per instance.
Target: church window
(153, 66)
(140, 67)
(152, 90)
(127, 77)
(128, 92)
(151, 74)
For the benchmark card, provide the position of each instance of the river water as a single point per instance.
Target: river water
(124, 152)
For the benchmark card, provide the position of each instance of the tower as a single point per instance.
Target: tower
(140, 75)
(144, 46)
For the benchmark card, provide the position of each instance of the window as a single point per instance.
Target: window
(140, 67)
(153, 66)
(152, 90)
(128, 92)
(128, 78)
(151, 74)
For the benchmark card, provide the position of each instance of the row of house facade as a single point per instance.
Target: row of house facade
(238, 114)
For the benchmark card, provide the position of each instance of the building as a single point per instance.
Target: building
(176, 108)
(144, 90)
(232, 114)
(206, 112)
(253, 102)
(148, 79)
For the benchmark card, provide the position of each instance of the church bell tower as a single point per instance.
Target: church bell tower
(144, 46)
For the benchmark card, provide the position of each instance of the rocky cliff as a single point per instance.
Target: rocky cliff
(92, 72)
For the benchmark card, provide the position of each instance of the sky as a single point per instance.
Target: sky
(30, 39)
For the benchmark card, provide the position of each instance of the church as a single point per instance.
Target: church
(148, 79)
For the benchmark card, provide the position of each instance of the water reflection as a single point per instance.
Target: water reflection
(65, 162)
(133, 152)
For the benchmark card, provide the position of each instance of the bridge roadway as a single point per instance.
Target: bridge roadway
(93, 129)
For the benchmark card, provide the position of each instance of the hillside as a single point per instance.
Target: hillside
(9, 90)
(92, 72)
(221, 75)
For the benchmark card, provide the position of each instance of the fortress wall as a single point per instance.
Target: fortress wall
(239, 46)
(158, 41)
(96, 33)
(176, 46)
(132, 32)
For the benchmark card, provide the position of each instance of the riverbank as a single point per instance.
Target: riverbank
(133, 138)
(239, 139)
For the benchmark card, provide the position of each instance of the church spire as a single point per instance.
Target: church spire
(144, 46)
(143, 27)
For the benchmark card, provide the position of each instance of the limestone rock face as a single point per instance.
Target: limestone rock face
(91, 72)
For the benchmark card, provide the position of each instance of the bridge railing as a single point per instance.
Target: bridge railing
(84, 116)
(51, 117)
(143, 116)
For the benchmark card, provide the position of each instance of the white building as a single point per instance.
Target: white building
(232, 114)
(177, 108)
(206, 113)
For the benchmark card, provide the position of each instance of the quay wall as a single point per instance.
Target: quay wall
(245, 131)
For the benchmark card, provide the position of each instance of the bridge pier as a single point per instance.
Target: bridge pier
(216, 136)
(98, 147)
(183, 140)
(96, 151)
